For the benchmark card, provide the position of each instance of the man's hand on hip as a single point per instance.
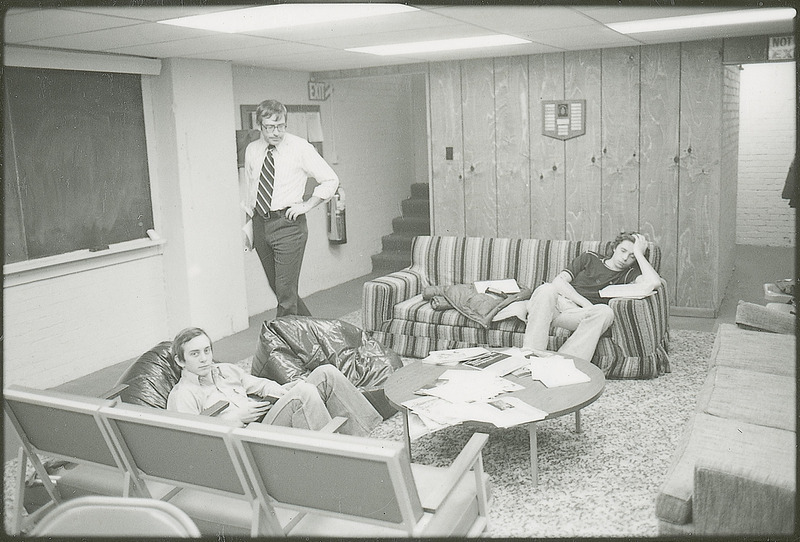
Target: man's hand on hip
(298, 209)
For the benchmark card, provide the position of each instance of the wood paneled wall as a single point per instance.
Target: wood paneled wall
(650, 158)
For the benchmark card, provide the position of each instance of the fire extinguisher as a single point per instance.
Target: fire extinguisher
(337, 224)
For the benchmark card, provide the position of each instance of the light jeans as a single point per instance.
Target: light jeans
(325, 393)
(547, 307)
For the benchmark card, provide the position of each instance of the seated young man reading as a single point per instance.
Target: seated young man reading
(572, 299)
(308, 404)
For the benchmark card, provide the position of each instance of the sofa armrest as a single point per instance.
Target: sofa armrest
(733, 500)
(383, 293)
(641, 326)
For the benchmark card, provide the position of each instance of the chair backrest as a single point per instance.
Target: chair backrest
(116, 516)
(183, 450)
(344, 476)
(61, 425)
(448, 260)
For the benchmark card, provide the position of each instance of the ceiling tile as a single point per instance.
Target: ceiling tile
(513, 19)
(114, 38)
(181, 48)
(400, 36)
(579, 38)
(355, 27)
(45, 23)
(153, 13)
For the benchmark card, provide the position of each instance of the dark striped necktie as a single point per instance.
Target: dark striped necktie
(266, 183)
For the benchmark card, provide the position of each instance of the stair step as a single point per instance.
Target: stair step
(396, 241)
(412, 224)
(416, 207)
(419, 190)
(389, 261)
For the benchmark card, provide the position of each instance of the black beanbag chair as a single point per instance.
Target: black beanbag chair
(290, 347)
(151, 377)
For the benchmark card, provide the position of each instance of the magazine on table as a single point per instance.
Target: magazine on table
(455, 356)
(486, 361)
(514, 358)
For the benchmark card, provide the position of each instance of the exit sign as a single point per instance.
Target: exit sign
(319, 91)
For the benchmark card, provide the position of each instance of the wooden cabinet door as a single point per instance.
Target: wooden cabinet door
(699, 193)
(479, 125)
(447, 151)
(582, 76)
(620, 129)
(546, 76)
(658, 148)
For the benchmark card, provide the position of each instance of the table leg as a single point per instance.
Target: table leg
(578, 428)
(534, 454)
(407, 432)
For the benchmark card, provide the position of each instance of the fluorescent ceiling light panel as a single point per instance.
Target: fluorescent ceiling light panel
(284, 16)
(704, 20)
(417, 47)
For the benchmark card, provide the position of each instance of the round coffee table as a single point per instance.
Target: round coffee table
(558, 401)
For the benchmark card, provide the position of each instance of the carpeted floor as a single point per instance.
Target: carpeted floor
(599, 483)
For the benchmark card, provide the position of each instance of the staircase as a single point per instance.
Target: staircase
(396, 252)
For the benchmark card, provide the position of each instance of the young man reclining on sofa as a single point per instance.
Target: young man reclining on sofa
(572, 300)
(308, 404)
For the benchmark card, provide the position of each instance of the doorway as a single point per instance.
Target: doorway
(767, 139)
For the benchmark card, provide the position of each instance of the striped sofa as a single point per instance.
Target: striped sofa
(397, 316)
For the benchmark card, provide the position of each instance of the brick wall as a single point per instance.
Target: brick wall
(60, 329)
(766, 148)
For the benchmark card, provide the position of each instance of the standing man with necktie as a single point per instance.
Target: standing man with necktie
(277, 166)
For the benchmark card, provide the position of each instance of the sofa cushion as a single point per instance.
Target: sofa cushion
(763, 451)
(761, 318)
(418, 309)
(731, 500)
(750, 396)
(754, 350)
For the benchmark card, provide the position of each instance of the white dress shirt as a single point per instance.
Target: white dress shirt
(227, 382)
(295, 160)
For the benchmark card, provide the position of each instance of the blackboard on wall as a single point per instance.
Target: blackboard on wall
(75, 173)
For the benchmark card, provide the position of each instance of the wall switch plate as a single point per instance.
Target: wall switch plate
(448, 153)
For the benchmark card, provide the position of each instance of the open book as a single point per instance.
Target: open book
(506, 286)
(633, 290)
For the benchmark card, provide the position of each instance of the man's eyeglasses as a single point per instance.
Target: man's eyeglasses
(273, 127)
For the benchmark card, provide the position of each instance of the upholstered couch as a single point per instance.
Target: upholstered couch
(396, 314)
(733, 472)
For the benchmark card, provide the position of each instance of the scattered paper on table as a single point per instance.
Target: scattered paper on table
(554, 371)
(458, 386)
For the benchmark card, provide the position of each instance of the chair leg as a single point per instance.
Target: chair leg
(20, 522)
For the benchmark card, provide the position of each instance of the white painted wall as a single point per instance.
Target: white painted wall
(767, 135)
(58, 329)
(368, 126)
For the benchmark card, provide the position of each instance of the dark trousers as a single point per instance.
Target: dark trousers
(280, 244)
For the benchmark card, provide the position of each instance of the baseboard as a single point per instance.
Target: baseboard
(693, 312)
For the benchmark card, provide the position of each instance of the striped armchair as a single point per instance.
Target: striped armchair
(397, 316)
